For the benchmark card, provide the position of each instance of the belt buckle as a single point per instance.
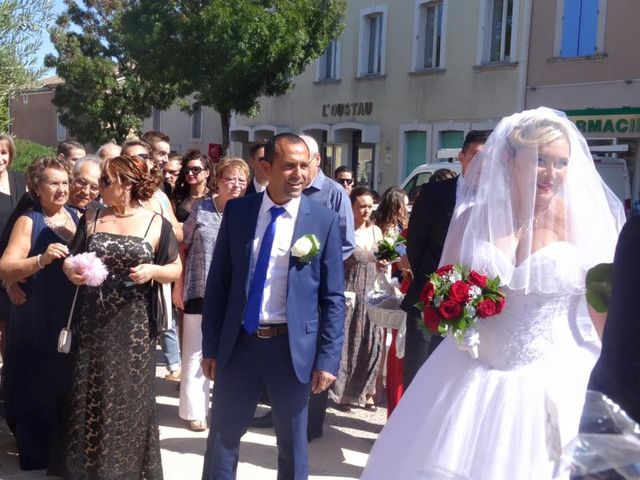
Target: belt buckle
(259, 335)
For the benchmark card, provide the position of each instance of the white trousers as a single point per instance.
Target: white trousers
(194, 386)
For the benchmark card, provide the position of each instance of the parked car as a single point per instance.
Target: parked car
(421, 175)
(615, 174)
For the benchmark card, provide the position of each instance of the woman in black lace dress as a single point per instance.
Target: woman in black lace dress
(112, 429)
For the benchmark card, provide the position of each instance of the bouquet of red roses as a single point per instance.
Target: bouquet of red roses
(453, 299)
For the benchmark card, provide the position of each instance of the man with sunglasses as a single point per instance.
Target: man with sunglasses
(259, 181)
(344, 176)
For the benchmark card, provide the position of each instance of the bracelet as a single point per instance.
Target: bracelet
(38, 262)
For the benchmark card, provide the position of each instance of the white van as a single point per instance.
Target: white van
(423, 173)
(615, 174)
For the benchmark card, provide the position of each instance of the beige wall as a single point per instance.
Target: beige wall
(597, 82)
(461, 94)
(35, 120)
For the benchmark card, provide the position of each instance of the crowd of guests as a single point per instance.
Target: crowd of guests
(154, 217)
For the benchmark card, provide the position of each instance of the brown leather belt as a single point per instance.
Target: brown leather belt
(272, 331)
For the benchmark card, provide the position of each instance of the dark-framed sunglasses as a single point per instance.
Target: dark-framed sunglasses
(192, 170)
(344, 181)
(144, 156)
(105, 181)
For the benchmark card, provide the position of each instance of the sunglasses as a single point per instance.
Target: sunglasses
(192, 170)
(344, 181)
(144, 156)
(105, 181)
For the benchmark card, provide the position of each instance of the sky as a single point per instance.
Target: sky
(47, 47)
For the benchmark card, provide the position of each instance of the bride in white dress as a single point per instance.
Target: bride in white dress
(532, 210)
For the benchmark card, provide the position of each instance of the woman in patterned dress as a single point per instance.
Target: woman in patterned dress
(112, 429)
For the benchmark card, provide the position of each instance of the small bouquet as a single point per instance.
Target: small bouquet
(391, 248)
(454, 298)
(91, 267)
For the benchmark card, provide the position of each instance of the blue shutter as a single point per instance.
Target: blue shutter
(588, 27)
(570, 28)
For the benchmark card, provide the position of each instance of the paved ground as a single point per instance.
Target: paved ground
(340, 454)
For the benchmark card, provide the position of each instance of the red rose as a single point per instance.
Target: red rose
(486, 308)
(477, 279)
(450, 309)
(431, 319)
(443, 270)
(459, 291)
(427, 292)
(500, 304)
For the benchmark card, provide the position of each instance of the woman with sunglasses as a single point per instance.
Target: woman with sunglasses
(193, 183)
(112, 428)
(200, 234)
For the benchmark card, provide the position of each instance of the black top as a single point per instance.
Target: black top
(8, 203)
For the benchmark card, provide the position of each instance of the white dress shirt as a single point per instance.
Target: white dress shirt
(258, 186)
(274, 300)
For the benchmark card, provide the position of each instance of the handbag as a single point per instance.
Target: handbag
(162, 310)
(64, 337)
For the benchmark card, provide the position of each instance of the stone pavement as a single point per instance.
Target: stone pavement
(340, 454)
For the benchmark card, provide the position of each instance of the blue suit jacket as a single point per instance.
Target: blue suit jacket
(315, 292)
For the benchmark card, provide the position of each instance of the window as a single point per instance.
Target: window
(155, 119)
(499, 31)
(373, 31)
(429, 36)
(329, 62)
(451, 139)
(580, 21)
(196, 122)
(61, 131)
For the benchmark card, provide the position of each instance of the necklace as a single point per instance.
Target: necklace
(125, 214)
(524, 226)
(65, 229)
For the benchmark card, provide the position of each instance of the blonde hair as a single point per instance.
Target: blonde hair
(535, 132)
(232, 162)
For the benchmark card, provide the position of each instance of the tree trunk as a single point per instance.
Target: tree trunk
(225, 118)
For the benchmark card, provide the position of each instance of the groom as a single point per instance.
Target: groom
(269, 317)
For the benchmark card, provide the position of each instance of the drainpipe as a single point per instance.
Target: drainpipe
(524, 72)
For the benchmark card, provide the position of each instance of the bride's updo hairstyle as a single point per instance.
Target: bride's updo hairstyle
(534, 132)
(533, 197)
(133, 170)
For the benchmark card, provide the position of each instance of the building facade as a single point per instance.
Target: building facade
(583, 60)
(404, 80)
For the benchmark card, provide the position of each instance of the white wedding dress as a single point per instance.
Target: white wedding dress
(506, 415)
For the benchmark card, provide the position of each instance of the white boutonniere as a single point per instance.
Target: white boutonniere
(306, 247)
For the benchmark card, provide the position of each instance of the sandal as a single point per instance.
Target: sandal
(370, 405)
(198, 425)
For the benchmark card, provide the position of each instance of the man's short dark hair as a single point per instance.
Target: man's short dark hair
(153, 136)
(475, 136)
(257, 146)
(270, 146)
(342, 169)
(65, 147)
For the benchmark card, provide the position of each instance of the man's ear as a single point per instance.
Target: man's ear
(266, 167)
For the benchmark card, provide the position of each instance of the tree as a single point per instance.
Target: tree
(103, 98)
(21, 24)
(228, 54)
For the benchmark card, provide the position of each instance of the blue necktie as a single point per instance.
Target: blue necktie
(256, 290)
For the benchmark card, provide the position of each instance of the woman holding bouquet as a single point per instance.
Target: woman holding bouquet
(112, 429)
(363, 343)
(538, 216)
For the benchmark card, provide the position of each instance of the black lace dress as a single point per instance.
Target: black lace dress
(112, 428)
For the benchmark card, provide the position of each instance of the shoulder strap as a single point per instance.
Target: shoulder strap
(95, 220)
(149, 226)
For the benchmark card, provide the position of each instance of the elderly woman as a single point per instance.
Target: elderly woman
(200, 232)
(36, 375)
(12, 187)
(112, 429)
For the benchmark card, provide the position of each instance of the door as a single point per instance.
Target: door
(416, 151)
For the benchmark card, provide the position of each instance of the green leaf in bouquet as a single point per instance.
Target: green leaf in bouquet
(598, 283)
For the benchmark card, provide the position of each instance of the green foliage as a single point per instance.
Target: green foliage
(228, 54)
(21, 22)
(599, 286)
(27, 152)
(103, 97)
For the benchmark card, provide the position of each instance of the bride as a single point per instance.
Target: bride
(533, 211)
